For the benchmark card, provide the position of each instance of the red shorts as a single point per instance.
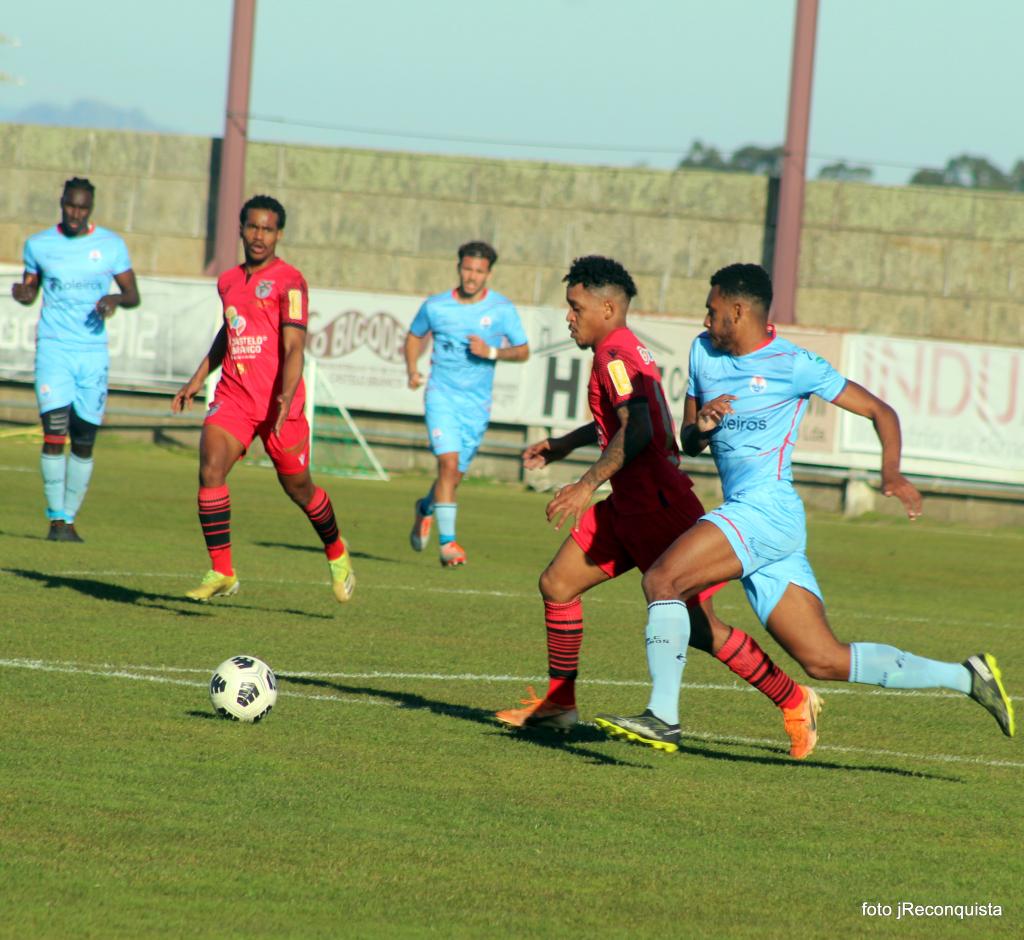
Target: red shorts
(289, 451)
(617, 543)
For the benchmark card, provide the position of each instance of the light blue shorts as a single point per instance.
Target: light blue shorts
(455, 426)
(767, 530)
(72, 376)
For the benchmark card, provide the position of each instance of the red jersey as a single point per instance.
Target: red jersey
(256, 309)
(624, 370)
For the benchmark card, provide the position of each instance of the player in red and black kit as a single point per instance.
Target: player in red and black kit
(652, 502)
(261, 351)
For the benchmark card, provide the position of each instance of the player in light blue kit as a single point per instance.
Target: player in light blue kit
(472, 328)
(74, 263)
(748, 393)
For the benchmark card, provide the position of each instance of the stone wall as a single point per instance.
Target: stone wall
(900, 261)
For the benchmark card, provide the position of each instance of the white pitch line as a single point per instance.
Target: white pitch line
(826, 691)
(838, 613)
(70, 669)
(122, 673)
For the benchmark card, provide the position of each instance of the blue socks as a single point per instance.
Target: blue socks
(445, 513)
(668, 632)
(427, 503)
(79, 472)
(878, 664)
(53, 467)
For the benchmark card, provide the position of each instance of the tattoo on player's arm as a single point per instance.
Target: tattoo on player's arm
(620, 448)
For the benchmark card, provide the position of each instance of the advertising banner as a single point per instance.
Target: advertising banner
(961, 406)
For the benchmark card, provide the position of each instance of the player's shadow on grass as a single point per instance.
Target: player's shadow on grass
(481, 716)
(319, 551)
(105, 591)
(118, 594)
(25, 535)
(698, 749)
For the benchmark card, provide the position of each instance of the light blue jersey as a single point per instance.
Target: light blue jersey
(74, 273)
(453, 368)
(754, 445)
(762, 516)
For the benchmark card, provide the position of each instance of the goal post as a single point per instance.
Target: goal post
(336, 445)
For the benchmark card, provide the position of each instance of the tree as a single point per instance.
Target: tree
(766, 161)
(699, 156)
(967, 172)
(750, 158)
(846, 173)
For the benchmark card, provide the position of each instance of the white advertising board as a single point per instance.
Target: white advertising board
(962, 407)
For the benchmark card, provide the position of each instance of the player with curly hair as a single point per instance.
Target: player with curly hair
(261, 351)
(652, 502)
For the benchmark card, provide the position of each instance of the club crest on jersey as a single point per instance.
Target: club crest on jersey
(620, 377)
(263, 289)
(645, 354)
(95, 255)
(758, 384)
(485, 322)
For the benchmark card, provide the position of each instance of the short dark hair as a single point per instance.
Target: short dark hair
(263, 202)
(478, 250)
(750, 281)
(594, 272)
(78, 182)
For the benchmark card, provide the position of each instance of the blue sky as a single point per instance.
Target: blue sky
(898, 83)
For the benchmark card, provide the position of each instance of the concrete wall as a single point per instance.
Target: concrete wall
(899, 261)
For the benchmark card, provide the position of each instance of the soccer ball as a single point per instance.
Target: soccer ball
(243, 688)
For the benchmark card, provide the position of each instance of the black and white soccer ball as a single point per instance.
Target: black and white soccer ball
(243, 688)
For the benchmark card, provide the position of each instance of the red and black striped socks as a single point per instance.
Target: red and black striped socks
(215, 518)
(564, 623)
(752, 664)
(321, 514)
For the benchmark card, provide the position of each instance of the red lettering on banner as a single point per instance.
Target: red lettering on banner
(891, 369)
(985, 407)
(940, 382)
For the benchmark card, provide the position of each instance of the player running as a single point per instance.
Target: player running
(652, 501)
(74, 262)
(747, 394)
(469, 325)
(260, 348)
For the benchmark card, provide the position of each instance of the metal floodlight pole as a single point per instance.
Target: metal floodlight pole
(786, 262)
(231, 185)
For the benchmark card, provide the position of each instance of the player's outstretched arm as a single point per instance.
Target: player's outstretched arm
(633, 435)
(414, 346)
(555, 448)
(127, 298)
(26, 291)
(211, 361)
(858, 400)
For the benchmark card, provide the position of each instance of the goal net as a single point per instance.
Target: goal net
(336, 446)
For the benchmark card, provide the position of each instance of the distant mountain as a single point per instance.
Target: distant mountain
(84, 113)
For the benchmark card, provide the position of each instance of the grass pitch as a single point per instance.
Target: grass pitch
(381, 799)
